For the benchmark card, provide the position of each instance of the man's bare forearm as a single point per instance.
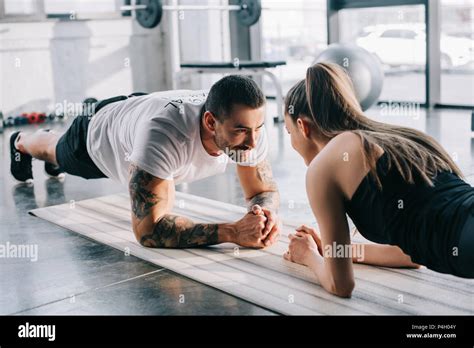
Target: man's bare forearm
(169, 231)
(268, 199)
(173, 231)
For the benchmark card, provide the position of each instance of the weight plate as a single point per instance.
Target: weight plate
(151, 16)
(89, 101)
(250, 12)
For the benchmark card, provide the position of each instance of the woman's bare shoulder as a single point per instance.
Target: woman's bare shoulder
(341, 162)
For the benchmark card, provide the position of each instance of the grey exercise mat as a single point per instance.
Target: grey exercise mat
(262, 276)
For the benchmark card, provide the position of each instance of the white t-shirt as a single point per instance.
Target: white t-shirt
(160, 133)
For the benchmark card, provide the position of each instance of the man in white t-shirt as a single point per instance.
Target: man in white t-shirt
(152, 142)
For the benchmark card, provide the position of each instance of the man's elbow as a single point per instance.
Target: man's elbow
(145, 240)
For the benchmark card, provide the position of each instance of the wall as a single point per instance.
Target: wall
(204, 36)
(50, 62)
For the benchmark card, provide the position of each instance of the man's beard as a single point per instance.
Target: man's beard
(224, 145)
(238, 153)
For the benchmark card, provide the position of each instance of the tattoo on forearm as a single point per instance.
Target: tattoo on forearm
(269, 199)
(179, 232)
(170, 231)
(142, 199)
(264, 174)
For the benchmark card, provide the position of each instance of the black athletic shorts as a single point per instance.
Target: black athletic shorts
(71, 149)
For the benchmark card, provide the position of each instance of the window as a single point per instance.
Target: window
(80, 6)
(395, 35)
(399, 34)
(391, 34)
(457, 52)
(20, 7)
(294, 31)
(364, 33)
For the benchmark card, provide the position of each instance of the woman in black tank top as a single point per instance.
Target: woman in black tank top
(428, 226)
(398, 185)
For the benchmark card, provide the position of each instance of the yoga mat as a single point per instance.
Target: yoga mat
(263, 277)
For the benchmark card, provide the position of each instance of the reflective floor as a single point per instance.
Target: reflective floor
(74, 275)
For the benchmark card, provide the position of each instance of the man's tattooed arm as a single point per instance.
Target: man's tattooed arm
(155, 228)
(173, 231)
(270, 198)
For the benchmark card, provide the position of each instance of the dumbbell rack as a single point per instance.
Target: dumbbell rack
(27, 118)
(39, 117)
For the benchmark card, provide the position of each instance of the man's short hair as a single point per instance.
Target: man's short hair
(232, 90)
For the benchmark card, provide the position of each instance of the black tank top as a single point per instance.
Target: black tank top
(424, 221)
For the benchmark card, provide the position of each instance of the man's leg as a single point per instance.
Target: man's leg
(40, 145)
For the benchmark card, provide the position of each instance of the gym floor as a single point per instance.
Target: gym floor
(74, 275)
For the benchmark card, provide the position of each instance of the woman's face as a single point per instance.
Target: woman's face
(300, 139)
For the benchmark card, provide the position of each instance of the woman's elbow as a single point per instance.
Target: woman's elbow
(342, 289)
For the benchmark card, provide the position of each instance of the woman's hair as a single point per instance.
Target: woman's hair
(327, 99)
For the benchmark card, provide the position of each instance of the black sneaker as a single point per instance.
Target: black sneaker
(20, 163)
(53, 170)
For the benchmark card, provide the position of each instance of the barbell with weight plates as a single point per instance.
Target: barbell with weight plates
(149, 12)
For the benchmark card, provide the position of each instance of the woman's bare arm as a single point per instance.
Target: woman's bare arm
(381, 255)
(334, 270)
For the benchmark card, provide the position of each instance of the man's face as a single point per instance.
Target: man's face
(240, 130)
